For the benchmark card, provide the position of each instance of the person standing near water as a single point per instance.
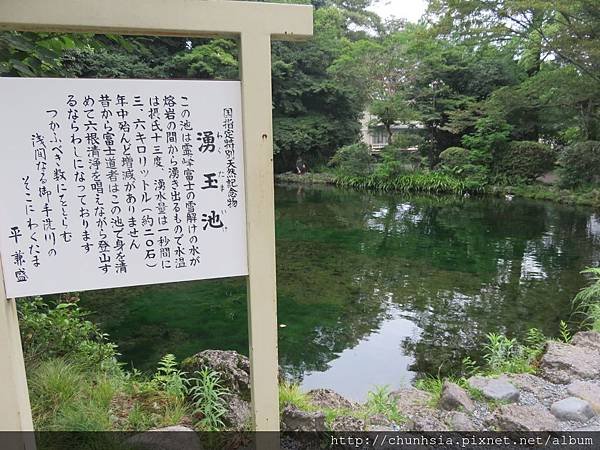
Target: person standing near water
(301, 167)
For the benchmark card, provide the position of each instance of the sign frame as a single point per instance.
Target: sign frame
(254, 25)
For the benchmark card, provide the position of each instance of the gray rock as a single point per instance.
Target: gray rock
(233, 369)
(459, 421)
(585, 390)
(427, 423)
(534, 389)
(410, 398)
(454, 397)
(572, 408)
(524, 418)
(347, 423)
(379, 422)
(238, 415)
(563, 363)
(588, 339)
(294, 419)
(169, 438)
(326, 398)
(495, 389)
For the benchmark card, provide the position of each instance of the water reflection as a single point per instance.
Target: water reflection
(377, 289)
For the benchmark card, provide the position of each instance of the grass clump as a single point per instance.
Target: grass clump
(291, 394)
(76, 383)
(428, 182)
(208, 397)
(587, 302)
(381, 402)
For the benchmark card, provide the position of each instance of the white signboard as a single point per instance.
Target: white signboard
(110, 183)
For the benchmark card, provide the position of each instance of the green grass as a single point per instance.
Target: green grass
(379, 401)
(427, 182)
(291, 394)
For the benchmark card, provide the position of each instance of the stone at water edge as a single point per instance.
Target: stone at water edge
(329, 399)
(572, 408)
(294, 419)
(454, 397)
(564, 363)
(524, 418)
(495, 389)
(588, 391)
(347, 423)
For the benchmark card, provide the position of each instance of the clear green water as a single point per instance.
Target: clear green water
(376, 289)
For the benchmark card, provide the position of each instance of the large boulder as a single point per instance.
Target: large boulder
(572, 408)
(524, 418)
(328, 399)
(497, 389)
(455, 398)
(347, 423)
(564, 363)
(294, 419)
(233, 369)
(588, 391)
(588, 339)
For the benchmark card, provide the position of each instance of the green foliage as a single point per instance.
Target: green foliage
(587, 301)
(353, 160)
(470, 367)
(60, 329)
(169, 378)
(379, 401)
(536, 340)
(455, 158)
(429, 182)
(462, 163)
(504, 355)
(208, 396)
(524, 160)
(580, 164)
(291, 394)
(435, 384)
(565, 333)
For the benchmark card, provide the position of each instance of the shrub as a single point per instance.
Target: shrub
(455, 158)
(524, 160)
(580, 164)
(51, 330)
(353, 160)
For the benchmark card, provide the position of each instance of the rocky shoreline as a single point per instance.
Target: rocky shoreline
(563, 395)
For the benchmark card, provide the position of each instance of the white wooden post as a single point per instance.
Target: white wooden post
(15, 410)
(255, 23)
(260, 223)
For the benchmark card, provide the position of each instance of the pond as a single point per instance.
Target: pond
(376, 289)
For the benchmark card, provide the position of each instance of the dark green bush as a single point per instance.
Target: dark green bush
(454, 158)
(524, 160)
(580, 164)
(464, 164)
(57, 329)
(353, 160)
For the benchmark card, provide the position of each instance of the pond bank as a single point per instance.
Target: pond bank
(538, 191)
(563, 395)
